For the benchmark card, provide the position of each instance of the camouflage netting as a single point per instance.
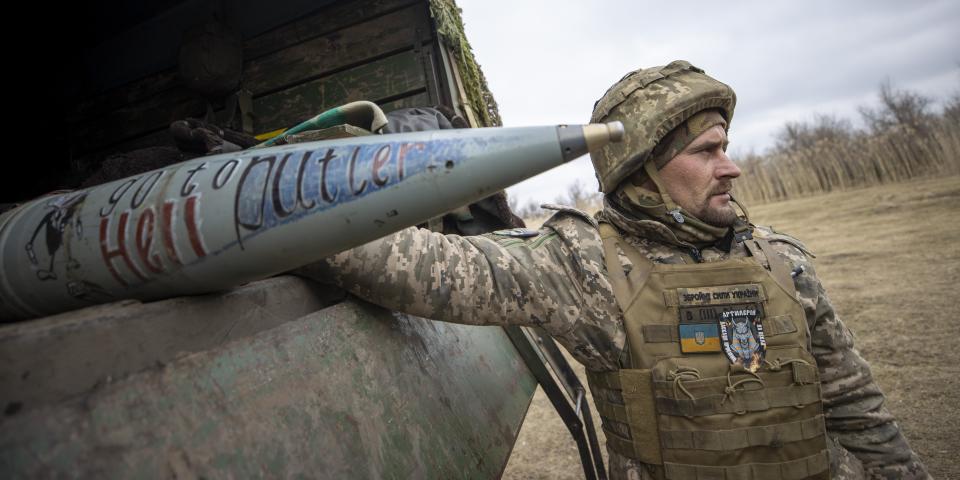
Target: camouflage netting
(450, 27)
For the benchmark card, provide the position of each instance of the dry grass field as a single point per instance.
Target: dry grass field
(890, 259)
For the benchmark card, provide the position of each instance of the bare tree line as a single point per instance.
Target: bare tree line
(901, 138)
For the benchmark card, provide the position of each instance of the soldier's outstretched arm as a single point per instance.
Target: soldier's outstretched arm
(489, 280)
(855, 415)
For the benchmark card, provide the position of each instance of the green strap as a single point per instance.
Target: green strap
(816, 466)
(739, 438)
(364, 114)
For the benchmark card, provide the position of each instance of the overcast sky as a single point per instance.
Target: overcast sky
(547, 61)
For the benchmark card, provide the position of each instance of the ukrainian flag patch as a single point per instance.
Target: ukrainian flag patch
(699, 337)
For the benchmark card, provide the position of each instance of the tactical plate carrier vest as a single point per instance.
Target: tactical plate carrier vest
(719, 382)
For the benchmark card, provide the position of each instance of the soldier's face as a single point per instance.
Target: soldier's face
(700, 177)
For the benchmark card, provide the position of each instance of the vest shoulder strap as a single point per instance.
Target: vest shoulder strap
(625, 287)
(779, 267)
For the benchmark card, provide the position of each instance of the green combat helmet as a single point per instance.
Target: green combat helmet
(650, 103)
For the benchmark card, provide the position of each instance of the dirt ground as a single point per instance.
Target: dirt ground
(889, 257)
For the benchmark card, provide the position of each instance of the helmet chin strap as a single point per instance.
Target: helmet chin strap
(743, 208)
(741, 227)
(672, 208)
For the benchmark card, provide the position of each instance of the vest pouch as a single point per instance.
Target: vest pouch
(624, 400)
(718, 421)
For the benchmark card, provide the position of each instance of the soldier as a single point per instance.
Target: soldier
(711, 348)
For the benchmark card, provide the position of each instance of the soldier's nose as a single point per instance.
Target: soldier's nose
(726, 167)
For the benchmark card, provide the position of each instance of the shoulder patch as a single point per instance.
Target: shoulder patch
(517, 233)
(573, 211)
(771, 235)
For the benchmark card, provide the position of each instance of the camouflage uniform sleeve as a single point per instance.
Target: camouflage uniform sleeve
(856, 418)
(543, 280)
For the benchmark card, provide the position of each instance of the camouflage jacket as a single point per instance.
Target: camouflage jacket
(557, 280)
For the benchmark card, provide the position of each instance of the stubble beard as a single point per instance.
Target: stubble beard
(724, 216)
